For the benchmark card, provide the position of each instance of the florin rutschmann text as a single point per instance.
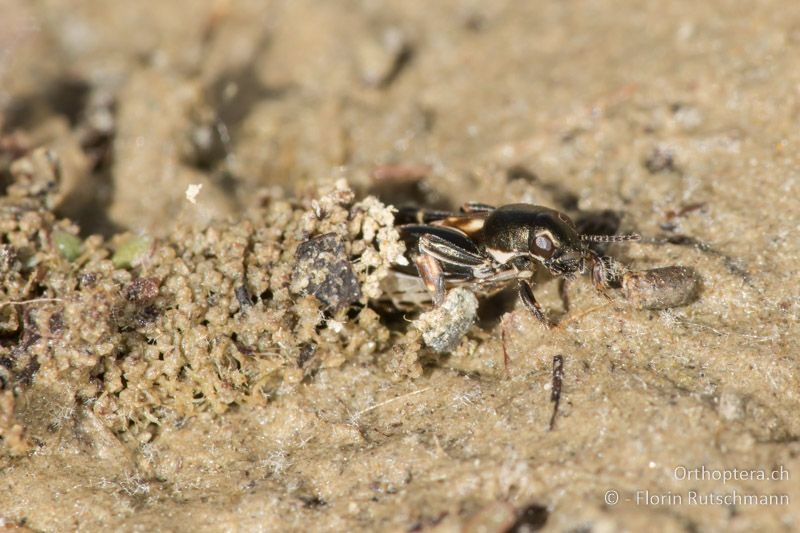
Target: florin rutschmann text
(694, 497)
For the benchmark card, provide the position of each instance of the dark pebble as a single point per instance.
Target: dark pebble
(322, 261)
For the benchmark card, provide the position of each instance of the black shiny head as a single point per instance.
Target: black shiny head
(540, 233)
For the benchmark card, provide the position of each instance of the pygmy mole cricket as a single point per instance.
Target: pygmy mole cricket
(487, 248)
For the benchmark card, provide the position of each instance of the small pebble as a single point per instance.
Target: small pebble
(661, 288)
(9, 258)
(142, 290)
(243, 297)
(731, 406)
(443, 327)
(323, 269)
(661, 159)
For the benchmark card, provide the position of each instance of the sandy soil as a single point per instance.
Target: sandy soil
(163, 365)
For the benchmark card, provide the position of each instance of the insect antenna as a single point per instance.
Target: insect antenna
(611, 238)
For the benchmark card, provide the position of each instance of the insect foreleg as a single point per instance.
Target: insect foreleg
(430, 270)
(447, 252)
(599, 274)
(527, 297)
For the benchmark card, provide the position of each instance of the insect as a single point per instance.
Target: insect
(488, 248)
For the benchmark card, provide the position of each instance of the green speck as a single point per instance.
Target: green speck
(131, 252)
(67, 244)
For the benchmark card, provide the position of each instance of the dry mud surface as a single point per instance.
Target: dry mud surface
(223, 358)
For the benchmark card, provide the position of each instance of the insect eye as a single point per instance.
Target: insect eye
(542, 246)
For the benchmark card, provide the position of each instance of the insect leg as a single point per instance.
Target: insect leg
(527, 297)
(432, 276)
(476, 207)
(414, 215)
(563, 293)
(599, 274)
(448, 252)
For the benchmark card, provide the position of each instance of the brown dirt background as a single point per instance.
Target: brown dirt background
(644, 107)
